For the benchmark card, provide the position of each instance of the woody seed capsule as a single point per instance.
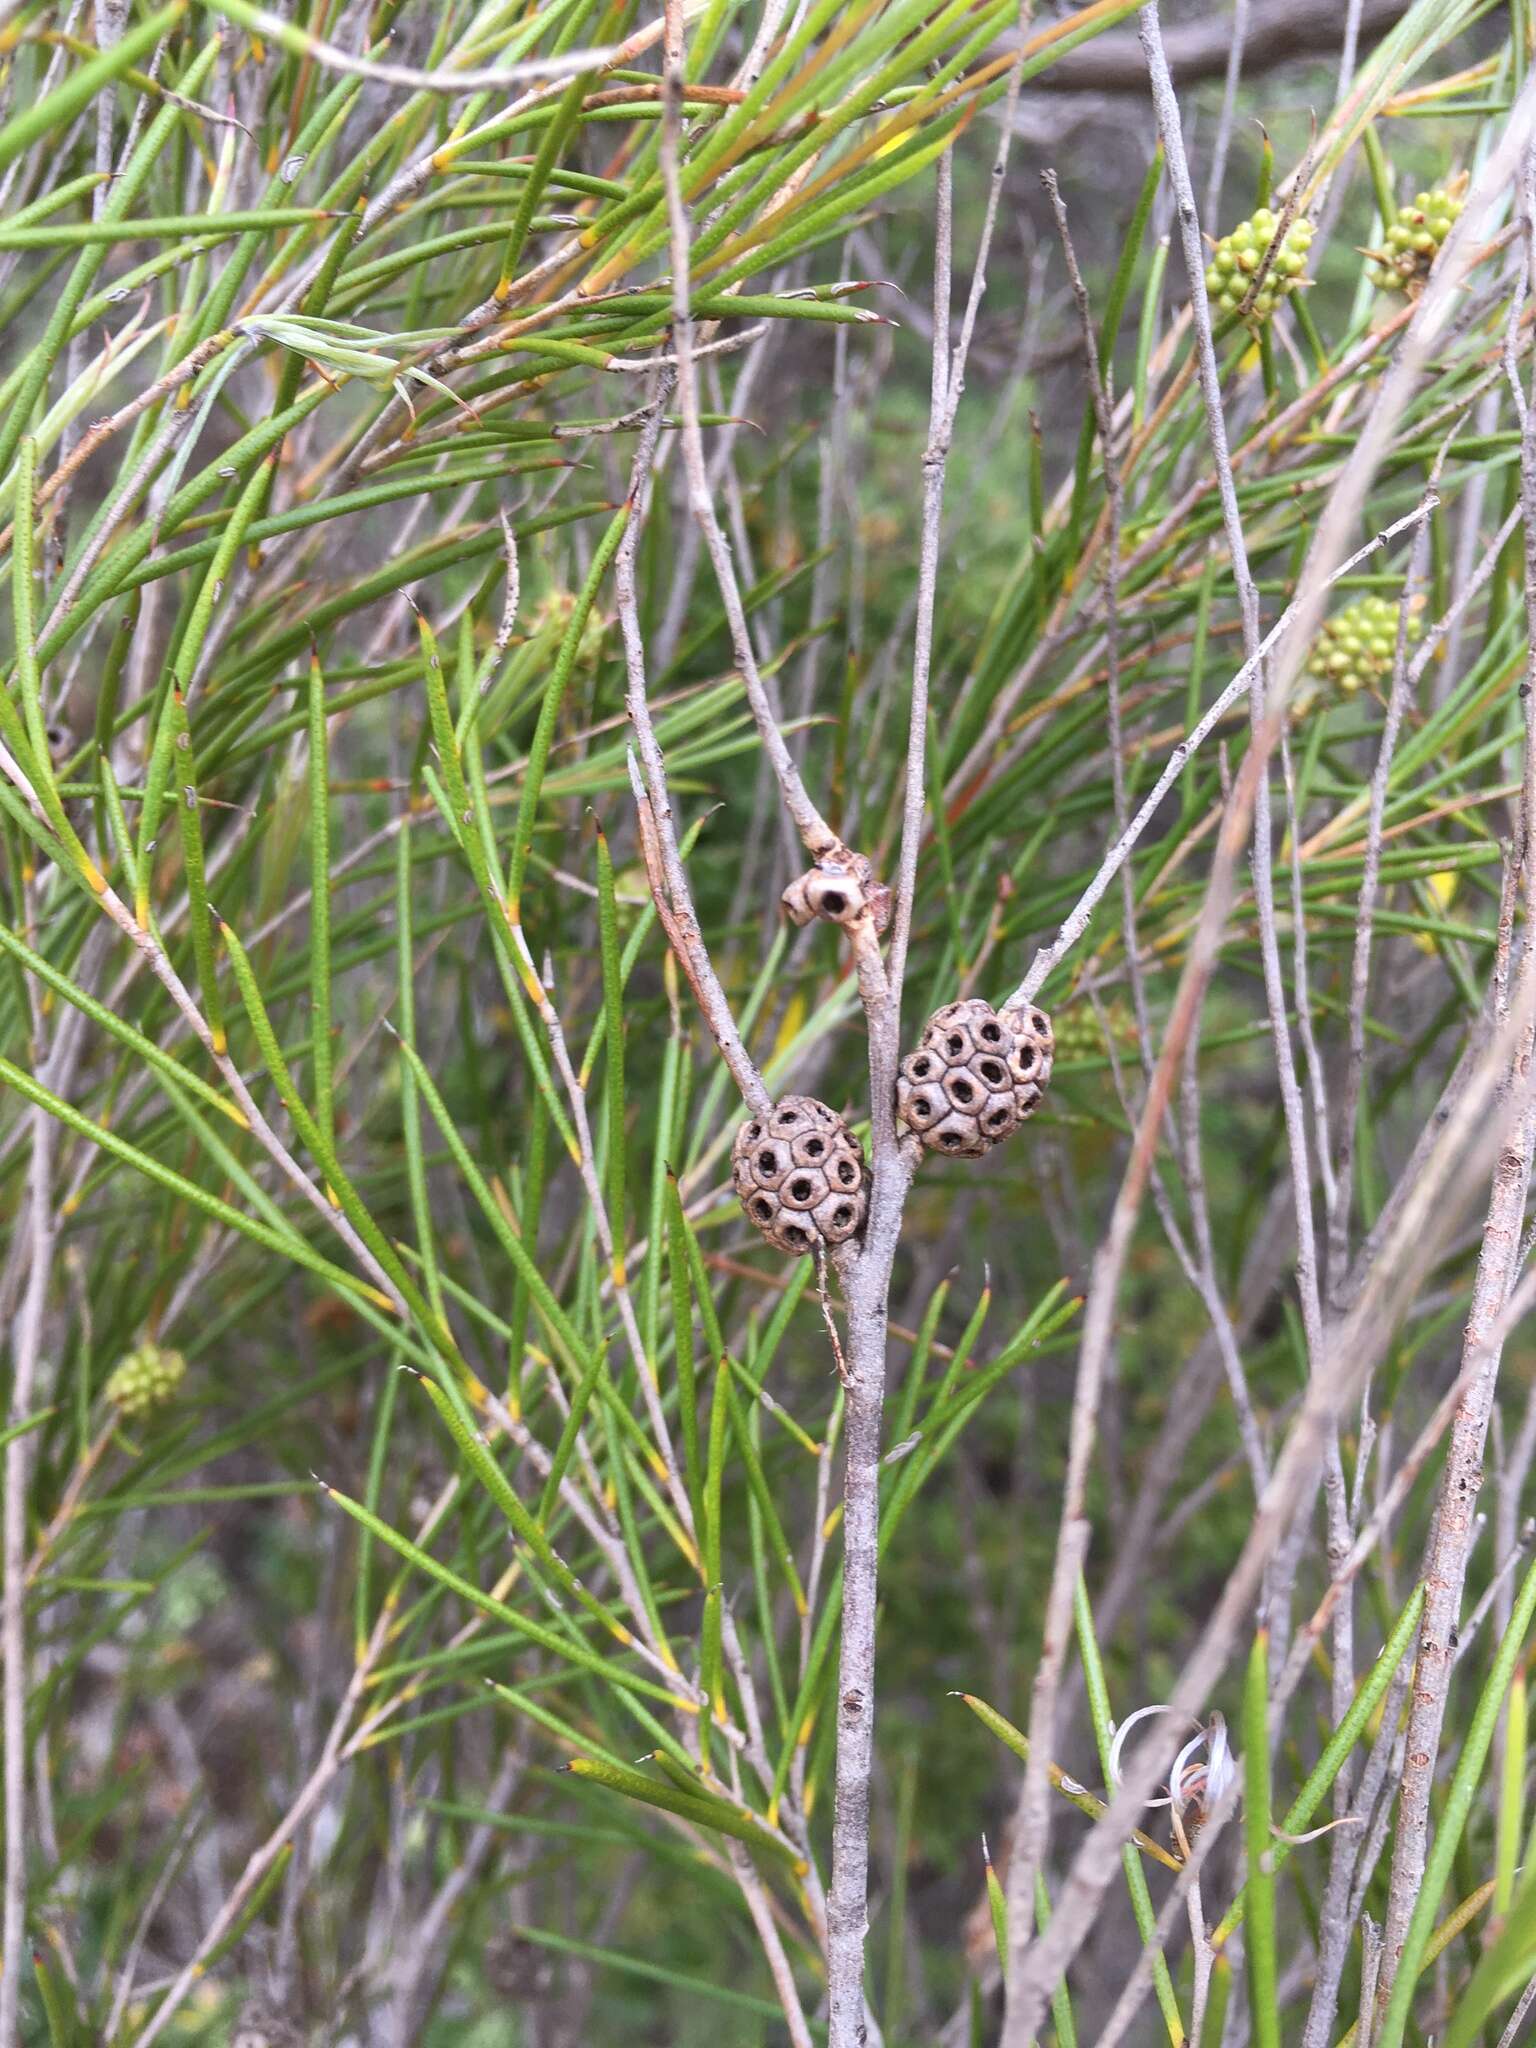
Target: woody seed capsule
(799, 1175)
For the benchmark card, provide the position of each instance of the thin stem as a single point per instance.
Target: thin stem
(26, 1347)
(1354, 1345)
(819, 838)
(658, 833)
(1076, 923)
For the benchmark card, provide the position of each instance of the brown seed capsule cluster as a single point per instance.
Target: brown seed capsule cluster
(975, 1077)
(800, 1175)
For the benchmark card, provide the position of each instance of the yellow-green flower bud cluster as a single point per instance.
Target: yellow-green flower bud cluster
(146, 1380)
(1357, 646)
(1414, 240)
(1080, 1032)
(1238, 257)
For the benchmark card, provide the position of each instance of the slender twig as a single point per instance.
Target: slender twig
(453, 80)
(1184, 1893)
(1078, 918)
(935, 459)
(760, 1908)
(26, 1350)
(1032, 1821)
(1206, 1277)
(1498, 1582)
(1352, 1863)
(819, 838)
(658, 835)
(607, 1228)
(1517, 2018)
(426, 1955)
(1454, 1525)
(1360, 972)
(1353, 1347)
(128, 1969)
(101, 431)
(1317, 1083)
(1262, 865)
(1223, 140)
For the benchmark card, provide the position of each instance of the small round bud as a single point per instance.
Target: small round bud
(1414, 239)
(146, 1379)
(1083, 1032)
(1357, 647)
(1239, 258)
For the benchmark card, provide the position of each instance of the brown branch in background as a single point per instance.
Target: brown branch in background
(1283, 32)
(1455, 1521)
(819, 838)
(1360, 972)
(658, 836)
(458, 79)
(1032, 1819)
(1081, 914)
(1423, 1216)
(26, 1358)
(866, 1268)
(674, 906)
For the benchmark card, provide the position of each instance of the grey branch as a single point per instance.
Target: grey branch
(1199, 48)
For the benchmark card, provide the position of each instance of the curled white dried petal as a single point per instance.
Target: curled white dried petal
(1117, 1747)
(1222, 1768)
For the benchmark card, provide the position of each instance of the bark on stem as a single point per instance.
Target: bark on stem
(1451, 1544)
(1497, 1268)
(866, 1272)
(847, 1898)
(26, 1347)
(1422, 1219)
